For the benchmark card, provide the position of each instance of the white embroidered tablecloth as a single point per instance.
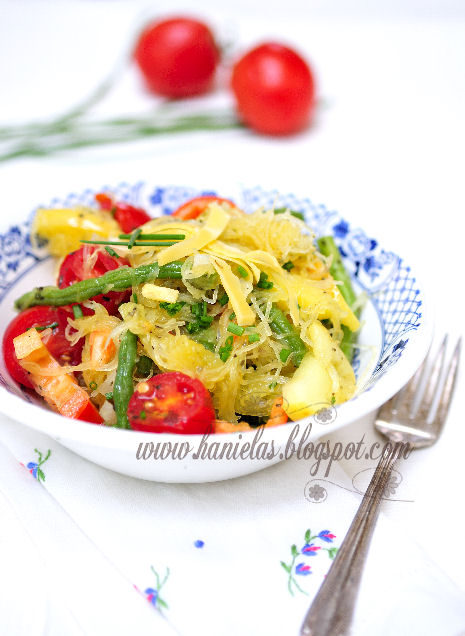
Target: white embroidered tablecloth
(87, 551)
(244, 556)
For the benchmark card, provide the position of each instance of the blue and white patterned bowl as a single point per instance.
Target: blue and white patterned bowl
(395, 335)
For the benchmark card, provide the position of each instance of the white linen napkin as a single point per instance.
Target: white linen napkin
(244, 556)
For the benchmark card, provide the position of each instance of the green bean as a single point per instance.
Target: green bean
(124, 386)
(114, 280)
(328, 247)
(289, 334)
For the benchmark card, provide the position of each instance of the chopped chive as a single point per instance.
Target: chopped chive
(93, 386)
(232, 316)
(253, 337)
(242, 272)
(111, 251)
(263, 282)
(152, 237)
(134, 236)
(135, 299)
(224, 354)
(142, 415)
(77, 311)
(273, 385)
(288, 265)
(235, 329)
(109, 396)
(224, 300)
(52, 325)
(136, 244)
(333, 399)
(172, 308)
(226, 350)
(284, 355)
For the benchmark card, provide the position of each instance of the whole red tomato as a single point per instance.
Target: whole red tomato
(274, 89)
(177, 57)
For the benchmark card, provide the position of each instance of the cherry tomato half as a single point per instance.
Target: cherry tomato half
(83, 264)
(193, 208)
(127, 216)
(171, 403)
(274, 89)
(177, 57)
(57, 343)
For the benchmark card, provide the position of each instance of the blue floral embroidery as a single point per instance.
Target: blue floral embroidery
(152, 594)
(35, 467)
(326, 536)
(302, 569)
(308, 549)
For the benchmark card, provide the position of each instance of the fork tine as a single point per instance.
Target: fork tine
(448, 389)
(430, 390)
(407, 393)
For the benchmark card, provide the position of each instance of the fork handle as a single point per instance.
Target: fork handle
(331, 611)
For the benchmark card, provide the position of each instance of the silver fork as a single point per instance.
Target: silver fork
(406, 425)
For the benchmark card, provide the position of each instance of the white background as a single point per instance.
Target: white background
(386, 150)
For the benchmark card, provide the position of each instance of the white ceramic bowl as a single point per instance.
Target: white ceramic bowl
(395, 336)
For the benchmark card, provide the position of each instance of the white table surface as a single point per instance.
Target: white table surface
(386, 150)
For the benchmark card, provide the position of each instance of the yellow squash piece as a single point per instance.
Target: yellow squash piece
(327, 302)
(65, 228)
(156, 292)
(324, 377)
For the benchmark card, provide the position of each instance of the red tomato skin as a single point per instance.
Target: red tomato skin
(177, 57)
(194, 207)
(274, 89)
(127, 216)
(57, 344)
(173, 402)
(74, 269)
(90, 414)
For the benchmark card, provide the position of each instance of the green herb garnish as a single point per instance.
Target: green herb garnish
(242, 272)
(111, 251)
(223, 300)
(263, 282)
(226, 350)
(235, 329)
(288, 266)
(284, 355)
(253, 337)
(77, 311)
(52, 325)
(172, 308)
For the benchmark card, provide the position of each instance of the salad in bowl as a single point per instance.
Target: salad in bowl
(207, 320)
(192, 315)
